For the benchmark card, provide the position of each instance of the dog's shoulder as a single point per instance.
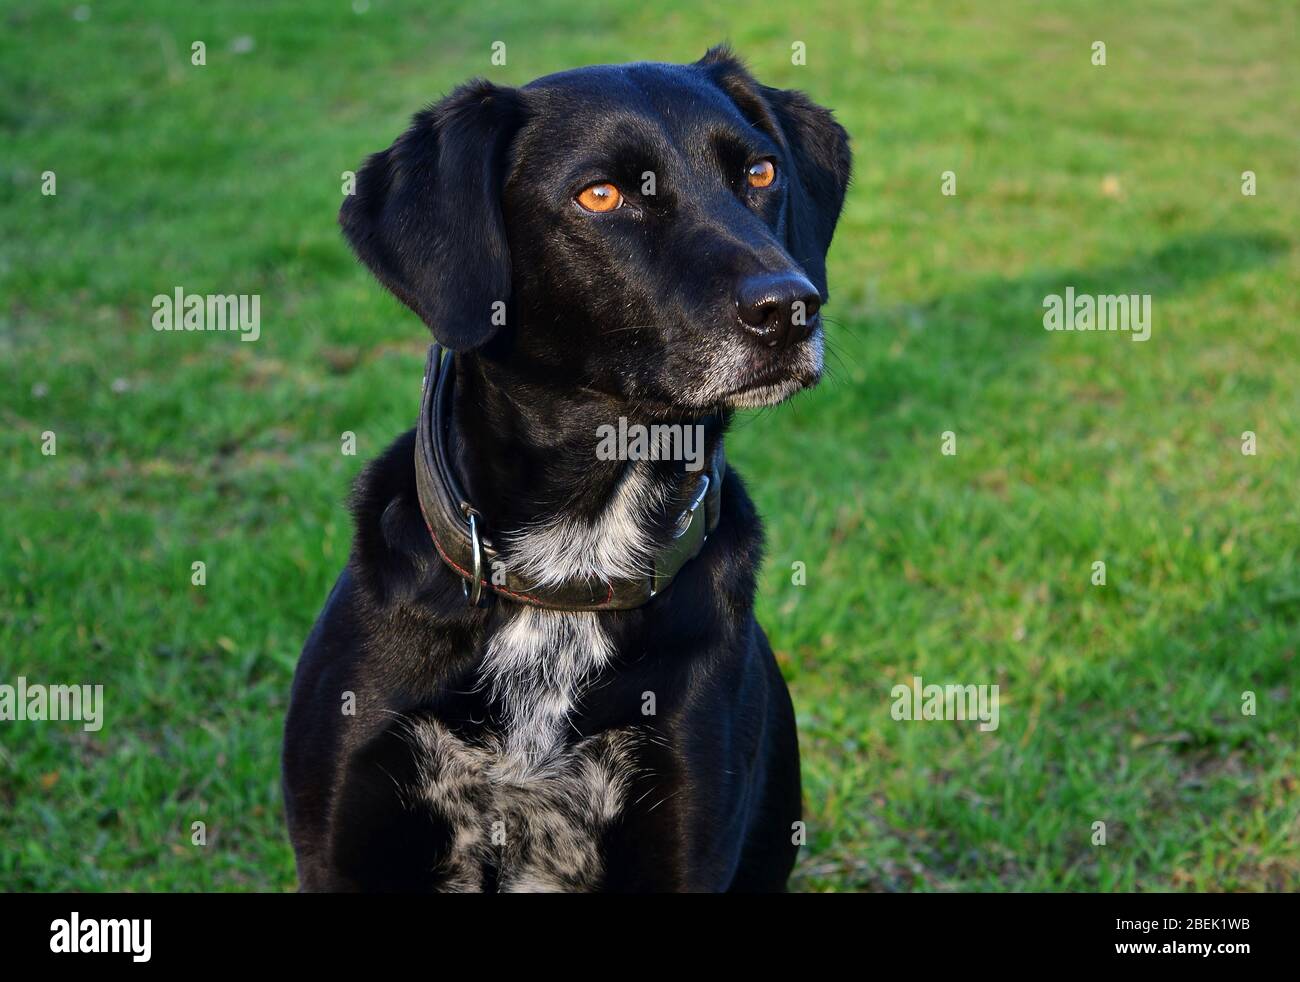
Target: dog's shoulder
(393, 559)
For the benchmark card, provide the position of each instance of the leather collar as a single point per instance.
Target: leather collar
(466, 546)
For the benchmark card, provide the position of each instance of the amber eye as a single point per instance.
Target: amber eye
(761, 174)
(600, 198)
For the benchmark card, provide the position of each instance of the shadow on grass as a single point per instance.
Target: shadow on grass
(956, 341)
(1178, 266)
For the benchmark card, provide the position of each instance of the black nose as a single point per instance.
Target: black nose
(777, 308)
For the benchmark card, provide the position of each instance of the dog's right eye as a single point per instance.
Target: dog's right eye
(600, 198)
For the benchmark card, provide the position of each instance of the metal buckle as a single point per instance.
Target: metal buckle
(477, 595)
(685, 518)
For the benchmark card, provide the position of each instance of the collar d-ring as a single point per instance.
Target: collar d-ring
(474, 594)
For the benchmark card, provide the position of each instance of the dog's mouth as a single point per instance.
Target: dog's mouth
(772, 381)
(765, 393)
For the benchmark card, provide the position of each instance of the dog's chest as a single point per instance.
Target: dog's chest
(526, 807)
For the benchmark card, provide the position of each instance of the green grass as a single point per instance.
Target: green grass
(1119, 703)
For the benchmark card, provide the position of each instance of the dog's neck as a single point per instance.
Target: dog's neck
(528, 457)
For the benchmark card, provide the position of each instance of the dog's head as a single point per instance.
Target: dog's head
(653, 232)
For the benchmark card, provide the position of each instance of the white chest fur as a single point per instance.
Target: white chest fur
(532, 802)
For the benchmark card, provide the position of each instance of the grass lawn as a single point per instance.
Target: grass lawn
(1120, 703)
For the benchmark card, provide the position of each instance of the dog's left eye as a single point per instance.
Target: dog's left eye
(761, 174)
(600, 198)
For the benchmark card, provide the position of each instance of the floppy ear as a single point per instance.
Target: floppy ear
(818, 149)
(426, 215)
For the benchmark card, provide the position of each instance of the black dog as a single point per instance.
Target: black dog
(540, 669)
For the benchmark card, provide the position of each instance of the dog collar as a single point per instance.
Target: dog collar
(462, 542)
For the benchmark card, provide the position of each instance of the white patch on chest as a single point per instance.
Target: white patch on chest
(540, 826)
(534, 670)
(616, 544)
(538, 663)
(533, 800)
